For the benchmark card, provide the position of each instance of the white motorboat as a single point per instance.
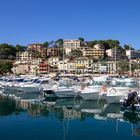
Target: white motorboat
(119, 89)
(34, 87)
(114, 96)
(63, 89)
(92, 91)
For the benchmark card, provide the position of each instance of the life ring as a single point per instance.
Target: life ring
(112, 91)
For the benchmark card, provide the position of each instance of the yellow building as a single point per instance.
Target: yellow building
(95, 52)
(83, 65)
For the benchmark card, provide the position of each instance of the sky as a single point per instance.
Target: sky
(36, 21)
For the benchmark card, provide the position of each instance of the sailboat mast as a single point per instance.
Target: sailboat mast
(63, 63)
(130, 67)
(115, 62)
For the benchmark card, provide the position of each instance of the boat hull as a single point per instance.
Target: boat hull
(90, 96)
(113, 99)
(65, 93)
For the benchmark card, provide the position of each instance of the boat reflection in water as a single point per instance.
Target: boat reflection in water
(68, 118)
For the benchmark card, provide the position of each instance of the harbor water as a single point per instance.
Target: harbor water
(66, 119)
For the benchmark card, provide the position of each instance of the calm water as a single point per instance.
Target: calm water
(67, 120)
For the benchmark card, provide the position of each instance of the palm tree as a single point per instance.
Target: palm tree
(59, 43)
(46, 44)
(123, 67)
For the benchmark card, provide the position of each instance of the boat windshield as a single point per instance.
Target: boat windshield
(19, 80)
(41, 81)
(9, 80)
(64, 84)
(38, 81)
(34, 80)
(98, 83)
(27, 80)
(132, 84)
(45, 82)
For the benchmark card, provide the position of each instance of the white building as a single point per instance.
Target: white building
(115, 54)
(26, 66)
(53, 61)
(68, 66)
(70, 45)
(133, 54)
(25, 55)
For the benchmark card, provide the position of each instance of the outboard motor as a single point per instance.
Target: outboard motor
(131, 100)
(138, 99)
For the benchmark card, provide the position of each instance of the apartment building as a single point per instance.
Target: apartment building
(40, 48)
(25, 55)
(115, 54)
(69, 45)
(83, 65)
(92, 52)
(71, 66)
(109, 68)
(132, 54)
(53, 52)
(43, 68)
(62, 65)
(26, 66)
(53, 61)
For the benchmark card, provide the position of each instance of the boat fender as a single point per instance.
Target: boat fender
(82, 86)
(104, 88)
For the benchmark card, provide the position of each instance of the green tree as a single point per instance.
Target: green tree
(135, 66)
(59, 43)
(6, 67)
(91, 43)
(123, 67)
(76, 53)
(20, 48)
(128, 47)
(81, 39)
(37, 54)
(46, 44)
(52, 43)
(108, 44)
(7, 49)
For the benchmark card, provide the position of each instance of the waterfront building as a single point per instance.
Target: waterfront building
(83, 65)
(67, 65)
(111, 67)
(29, 66)
(62, 65)
(108, 67)
(71, 66)
(22, 68)
(44, 68)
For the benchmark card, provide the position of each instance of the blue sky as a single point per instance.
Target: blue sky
(28, 21)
